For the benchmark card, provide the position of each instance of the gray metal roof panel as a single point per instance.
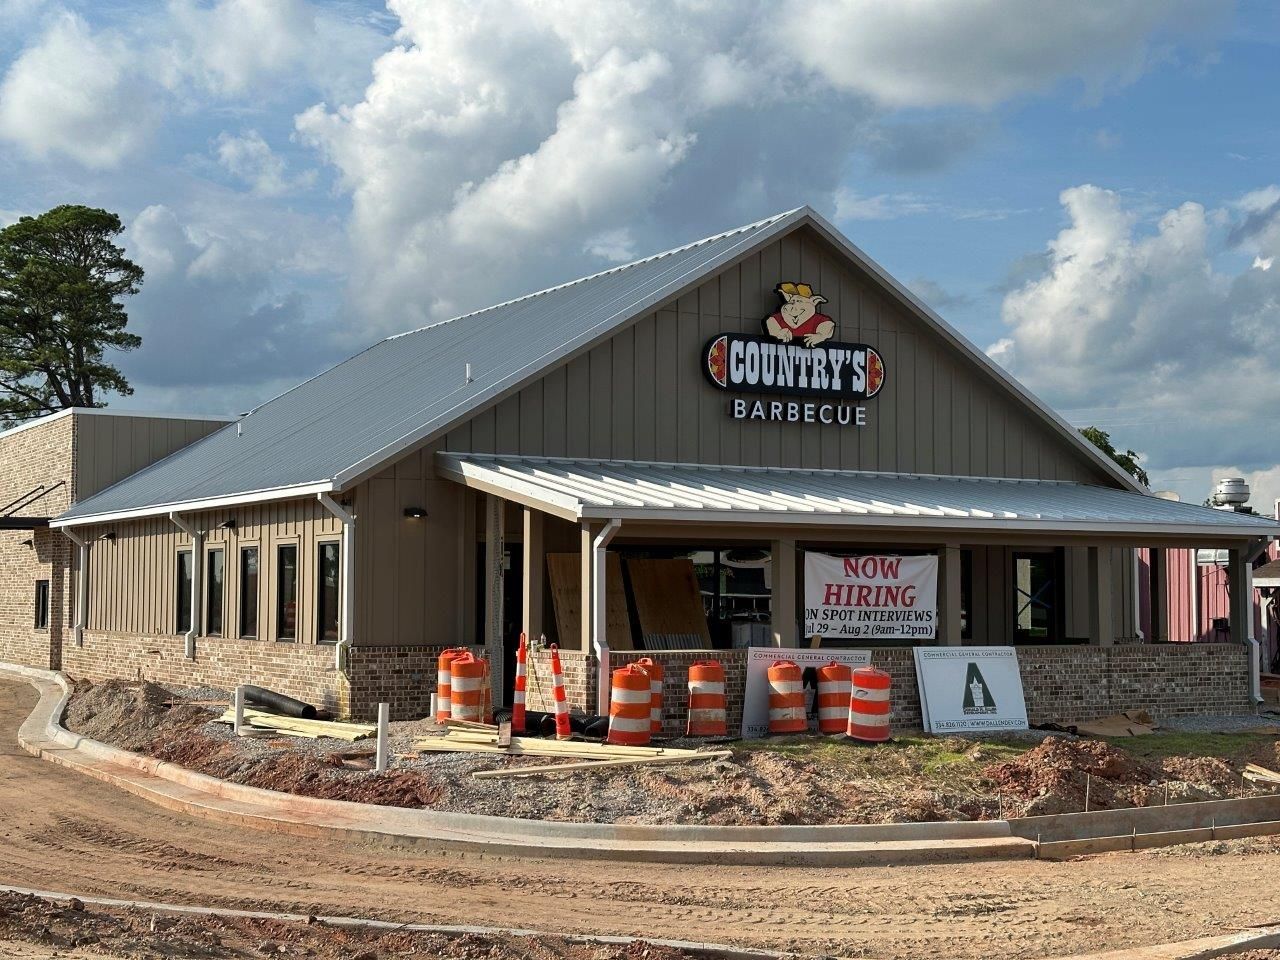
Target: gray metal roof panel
(714, 492)
(349, 417)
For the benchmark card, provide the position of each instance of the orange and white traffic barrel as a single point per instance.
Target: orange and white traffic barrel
(557, 687)
(835, 686)
(469, 681)
(630, 709)
(656, 673)
(706, 699)
(443, 694)
(869, 705)
(786, 698)
(517, 697)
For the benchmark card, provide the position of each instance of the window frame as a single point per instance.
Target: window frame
(321, 640)
(278, 607)
(41, 621)
(207, 573)
(240, 592)
(182, 595)
(1057, 627)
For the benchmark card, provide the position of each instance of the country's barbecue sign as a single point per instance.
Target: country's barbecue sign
(797, 357)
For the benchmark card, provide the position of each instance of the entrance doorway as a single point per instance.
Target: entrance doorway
(512, 608)
(1039, 597)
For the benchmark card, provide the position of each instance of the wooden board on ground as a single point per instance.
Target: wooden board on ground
(668, 601)
(565, 576)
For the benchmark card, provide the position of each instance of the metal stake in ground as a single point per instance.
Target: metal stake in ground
(1088, 784)
(384, 716)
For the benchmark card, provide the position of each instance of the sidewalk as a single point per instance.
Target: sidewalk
(178, 789)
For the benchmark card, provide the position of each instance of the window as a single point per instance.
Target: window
(42, 604)
(184, 591)
(213, 592)
(1037, 597)
(287, 592)
(248, 592)
(327, 595)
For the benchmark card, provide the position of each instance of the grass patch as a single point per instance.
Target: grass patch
(1227, 746)
(935, 762)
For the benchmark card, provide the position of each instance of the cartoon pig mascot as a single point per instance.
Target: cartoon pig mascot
(798, 317)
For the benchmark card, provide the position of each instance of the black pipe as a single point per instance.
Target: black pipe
(285, 706)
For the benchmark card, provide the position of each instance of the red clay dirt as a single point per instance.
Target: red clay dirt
(62, 831)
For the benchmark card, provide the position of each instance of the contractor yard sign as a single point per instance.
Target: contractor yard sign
(970, 688)
(870, 597)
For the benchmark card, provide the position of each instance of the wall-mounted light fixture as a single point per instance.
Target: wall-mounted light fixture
(415, 513)
(109, 536)
(227, 524)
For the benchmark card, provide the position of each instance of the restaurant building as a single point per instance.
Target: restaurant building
(635, 464)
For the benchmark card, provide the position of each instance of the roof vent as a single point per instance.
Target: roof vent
(1230, 493)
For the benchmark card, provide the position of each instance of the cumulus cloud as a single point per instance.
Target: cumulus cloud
(1158, 332)
(77, 94)
(251, 159)
(918, 53)
(499, 141)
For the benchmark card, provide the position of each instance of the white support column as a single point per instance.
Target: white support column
(951, 599)
(197, 576)
(81, 612)
(495, 578)
(782, 613)
(347, 582)
(1240, 589)
(535, 564)
(1101, 584)
(599, 613)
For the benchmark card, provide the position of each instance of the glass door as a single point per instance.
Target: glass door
(1038, 597)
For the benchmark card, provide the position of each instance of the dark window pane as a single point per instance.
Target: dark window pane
(1036, 612)
(42, 604)
(327, 602)
(249, 592)
(184, 591)
(287, 593)
(213, 593)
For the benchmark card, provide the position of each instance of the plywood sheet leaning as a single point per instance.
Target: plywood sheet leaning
(563, 573)
(667, 598)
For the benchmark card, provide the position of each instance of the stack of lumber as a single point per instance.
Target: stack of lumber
(297, 727)
(1257, 774)
(475, 738)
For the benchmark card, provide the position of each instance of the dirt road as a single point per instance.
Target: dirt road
(60, 831)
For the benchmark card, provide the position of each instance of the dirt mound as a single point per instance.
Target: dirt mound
(130, 715)
(64, 926)
(313, 776)
(1053, 777)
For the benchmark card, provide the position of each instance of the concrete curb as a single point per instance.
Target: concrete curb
(178, 789)
(723, 951)
(1204, 948)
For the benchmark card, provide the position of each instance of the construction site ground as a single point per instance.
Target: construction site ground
(61, 831)
(790, 780)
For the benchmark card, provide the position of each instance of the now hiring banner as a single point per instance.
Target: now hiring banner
(870, 597)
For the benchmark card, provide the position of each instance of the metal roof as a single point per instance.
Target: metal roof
(626, 489)
(342, 425)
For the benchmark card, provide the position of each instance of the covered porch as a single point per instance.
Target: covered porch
(1039, 563)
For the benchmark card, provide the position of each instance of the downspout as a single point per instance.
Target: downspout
(598, 618)
(1255, 648)
(197, 570)
(82, 585)
(346, 594)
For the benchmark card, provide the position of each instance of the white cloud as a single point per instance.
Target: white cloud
(501, 139)
(616, 246)
(251, 159)
(919, 53)
(75, 93)
(1140, 329)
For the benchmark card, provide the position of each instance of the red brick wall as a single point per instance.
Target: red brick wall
(1064, 684)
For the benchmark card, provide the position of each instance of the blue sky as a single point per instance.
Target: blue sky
(1087, 191)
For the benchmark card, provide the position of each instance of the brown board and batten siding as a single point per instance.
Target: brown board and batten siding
(133, 578)
(642, 395)
(111, 447)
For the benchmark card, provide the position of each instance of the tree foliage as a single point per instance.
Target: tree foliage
(62, 282)
(1128, 460)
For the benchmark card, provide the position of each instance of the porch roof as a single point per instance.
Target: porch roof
(662, 492)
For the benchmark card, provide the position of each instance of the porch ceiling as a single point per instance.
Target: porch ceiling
(662, 492)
